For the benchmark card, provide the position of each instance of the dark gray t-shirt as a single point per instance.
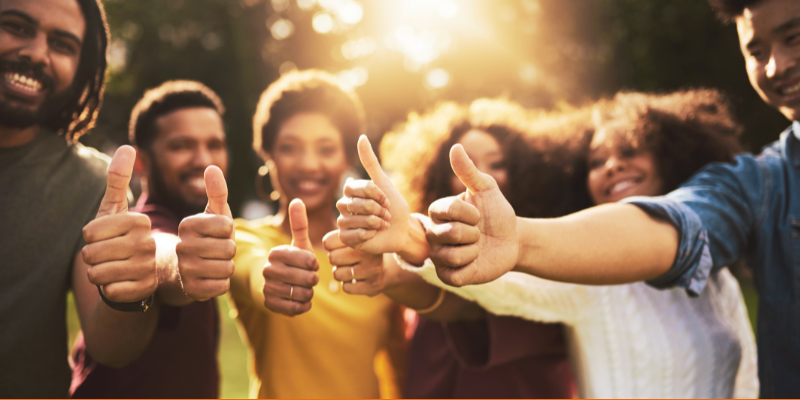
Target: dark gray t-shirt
(49, 189)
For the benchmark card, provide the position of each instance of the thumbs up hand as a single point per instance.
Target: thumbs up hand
(473, 236)
(291, 271)
(374, 216)
(119, 250)
(205, 252)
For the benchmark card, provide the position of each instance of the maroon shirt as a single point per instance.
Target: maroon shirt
(499, 358)
(181, 359)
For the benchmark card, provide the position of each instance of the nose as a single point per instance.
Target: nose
(35, 50)
(781, 61)
(202, 157)
(614, 165)
(310, 161)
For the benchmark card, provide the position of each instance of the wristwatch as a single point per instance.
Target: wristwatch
(136, 306)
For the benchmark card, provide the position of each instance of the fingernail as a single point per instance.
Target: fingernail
(388, 225)
(387, 216)
(386, 203)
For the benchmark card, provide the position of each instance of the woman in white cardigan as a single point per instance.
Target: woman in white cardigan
(634, 340)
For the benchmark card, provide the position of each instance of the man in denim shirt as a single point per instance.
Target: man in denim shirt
(748, 209)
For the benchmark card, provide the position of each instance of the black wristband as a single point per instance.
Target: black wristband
(136, 306)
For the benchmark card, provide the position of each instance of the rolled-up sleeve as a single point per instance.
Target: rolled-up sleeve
(714, 213)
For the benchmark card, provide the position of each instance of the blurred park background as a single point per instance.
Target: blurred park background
(406, 55)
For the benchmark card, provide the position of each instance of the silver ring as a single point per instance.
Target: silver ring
(353, 275)
(291, 292)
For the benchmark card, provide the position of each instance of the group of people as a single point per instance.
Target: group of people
(494, 251)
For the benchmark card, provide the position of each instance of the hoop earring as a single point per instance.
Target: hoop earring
(263, 174)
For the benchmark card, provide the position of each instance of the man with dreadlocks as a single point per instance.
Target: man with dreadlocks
(64, 211)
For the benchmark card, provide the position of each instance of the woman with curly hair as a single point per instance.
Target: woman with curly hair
(634, 340)
(458, 350)
(305, 128)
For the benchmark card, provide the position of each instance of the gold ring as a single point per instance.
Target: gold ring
(348, 208)
(291, 292)
(353, 275)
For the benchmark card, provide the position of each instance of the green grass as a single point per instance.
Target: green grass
(233, 353)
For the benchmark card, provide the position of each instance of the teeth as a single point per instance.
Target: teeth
(792, 89)
(23, 82)
(308, 185)
(198, 183)
(620, 186)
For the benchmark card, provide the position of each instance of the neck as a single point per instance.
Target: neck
(320, 222)
(14, 137)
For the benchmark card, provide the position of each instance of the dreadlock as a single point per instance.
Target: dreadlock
(86, 93)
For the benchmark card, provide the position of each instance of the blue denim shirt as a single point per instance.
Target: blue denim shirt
(748, 209)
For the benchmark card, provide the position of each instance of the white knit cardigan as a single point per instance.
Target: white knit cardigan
(634, 341)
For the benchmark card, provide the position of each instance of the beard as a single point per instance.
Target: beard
(168, 196)
(18, 117)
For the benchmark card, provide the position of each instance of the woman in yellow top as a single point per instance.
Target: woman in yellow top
(305, 128)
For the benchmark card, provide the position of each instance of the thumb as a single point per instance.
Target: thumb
(298, 220)
(119, 177)
(217, 192)
(476, 181)
(370, 162)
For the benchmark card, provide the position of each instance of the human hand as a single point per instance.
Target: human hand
(205, 252)
(360, 272)
(474, 236)
(120, 252)
(374, 216)
(291, 272)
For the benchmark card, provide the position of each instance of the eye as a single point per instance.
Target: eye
(597, 162)
(62, 46)
(17, 28)
(285, 148)
(793, 38)
(628, 153)
(497, 165)
(328, 150)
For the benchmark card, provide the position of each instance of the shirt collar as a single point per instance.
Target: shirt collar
(795, 155)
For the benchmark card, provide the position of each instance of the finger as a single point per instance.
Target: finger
(454, 256)
(298, 220)
(286, 307)
(355, 238)
(115, 225)
(289, 292)
(370, 222)
(293, 257)
(119, 177)
(279, 272)
(453, 209)
(200, 269)
(117, 249)
(332, 242)
(360, 206)
(476, 181)
(356, 272)
(363, 288)
(366, 189)
(345, 256)
(130, 291)
(204, 289)
(206, 248)
(370, 162)
(217, 192)
(453, 233)
(118, 271)
(206, 225)
(457, 277)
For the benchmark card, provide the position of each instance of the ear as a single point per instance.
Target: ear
(142, 164)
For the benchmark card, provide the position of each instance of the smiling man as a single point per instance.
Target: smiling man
(64, 209)
(177, 128)
(748, 209)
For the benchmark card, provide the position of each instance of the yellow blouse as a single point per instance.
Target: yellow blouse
(336, 350)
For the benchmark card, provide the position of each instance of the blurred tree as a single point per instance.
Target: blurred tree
(405, 55)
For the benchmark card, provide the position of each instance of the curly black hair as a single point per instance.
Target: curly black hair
(684, 130)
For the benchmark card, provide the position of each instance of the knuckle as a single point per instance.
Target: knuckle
(230, 248)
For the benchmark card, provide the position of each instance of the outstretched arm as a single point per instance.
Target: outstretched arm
(477, 238)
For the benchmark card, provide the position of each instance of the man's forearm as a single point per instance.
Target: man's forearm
(609, 244)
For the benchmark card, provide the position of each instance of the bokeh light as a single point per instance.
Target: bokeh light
(282, 29)
(322, 22)
(437, 78)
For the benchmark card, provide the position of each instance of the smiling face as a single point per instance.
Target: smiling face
(40, 49)
(484, 150)
(187, 141)
(615, 173)
(308, 160)
(769, 35)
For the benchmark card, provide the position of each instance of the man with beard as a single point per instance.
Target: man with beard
(64, 208)
(178, 131)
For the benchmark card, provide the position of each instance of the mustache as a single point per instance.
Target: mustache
(192, 174)
(27, 68)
